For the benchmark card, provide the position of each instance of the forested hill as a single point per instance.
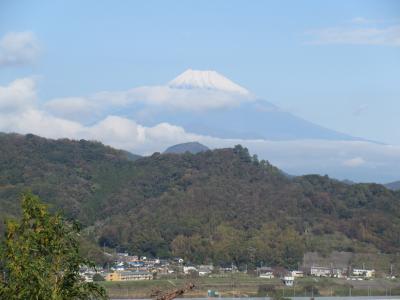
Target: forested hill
(221, 205)
(63, 172)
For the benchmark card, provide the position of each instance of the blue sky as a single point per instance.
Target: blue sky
(334, 63)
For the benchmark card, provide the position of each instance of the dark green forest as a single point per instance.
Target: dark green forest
(222, 206)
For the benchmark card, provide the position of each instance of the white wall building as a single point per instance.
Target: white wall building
(288, 280)
(363, 273)
(320, 272)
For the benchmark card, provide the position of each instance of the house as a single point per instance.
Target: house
(228, 269)
(128, 276)
(136, 264)
(363, 273)
(320, 271)
(288, 280)
(205, 270)
(265, 272)
(338, 273)
(189, 269)
(297, 274)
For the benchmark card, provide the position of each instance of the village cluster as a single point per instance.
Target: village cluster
(131, 267)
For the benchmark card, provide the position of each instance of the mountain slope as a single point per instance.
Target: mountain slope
(191, 147)
(215, 205)
(243, 116)
(255, 120)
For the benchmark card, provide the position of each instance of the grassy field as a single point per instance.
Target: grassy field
(242, 285)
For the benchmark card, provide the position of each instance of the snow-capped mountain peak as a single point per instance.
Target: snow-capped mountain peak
(195, 79)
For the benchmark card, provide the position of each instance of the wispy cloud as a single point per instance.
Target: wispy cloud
(74, 108)
(359, 31)
(148, 97)
(19, 48)
(354, 162)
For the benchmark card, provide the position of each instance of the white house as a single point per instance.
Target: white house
(338, 273)
(189, 269)
(320, 271)
(205, 270)
(297, 274)
(288, 280)
(363, 273)
(265, 272)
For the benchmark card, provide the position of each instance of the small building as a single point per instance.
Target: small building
(265, 272)
(205, 270)
(288, 280)
(128, 276)
(320, 271)
(136, 264)
(189, 269)
(363, 273)
(297, 274)
(338, 273)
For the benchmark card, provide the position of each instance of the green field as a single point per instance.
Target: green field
(242, 285)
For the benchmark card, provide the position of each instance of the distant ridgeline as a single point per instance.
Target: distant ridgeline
(393, 185)
(191, 147)
(222, 205)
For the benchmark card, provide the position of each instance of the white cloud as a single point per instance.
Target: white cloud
(359, 31)
(187, 99)
(168, 97)
(126, 134)
(18, 48)
(73, 108)
(354, 162)
(150, 97)
(18, 95)
(38, 122)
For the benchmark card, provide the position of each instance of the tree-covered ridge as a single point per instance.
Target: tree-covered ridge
(203, 205)
(222, 205)
(63, 172)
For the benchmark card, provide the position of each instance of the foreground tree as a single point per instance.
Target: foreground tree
(40, 257)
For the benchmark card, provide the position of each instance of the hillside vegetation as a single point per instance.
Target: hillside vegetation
(223, 205)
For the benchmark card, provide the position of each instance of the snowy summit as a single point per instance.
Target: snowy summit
(195, 79)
